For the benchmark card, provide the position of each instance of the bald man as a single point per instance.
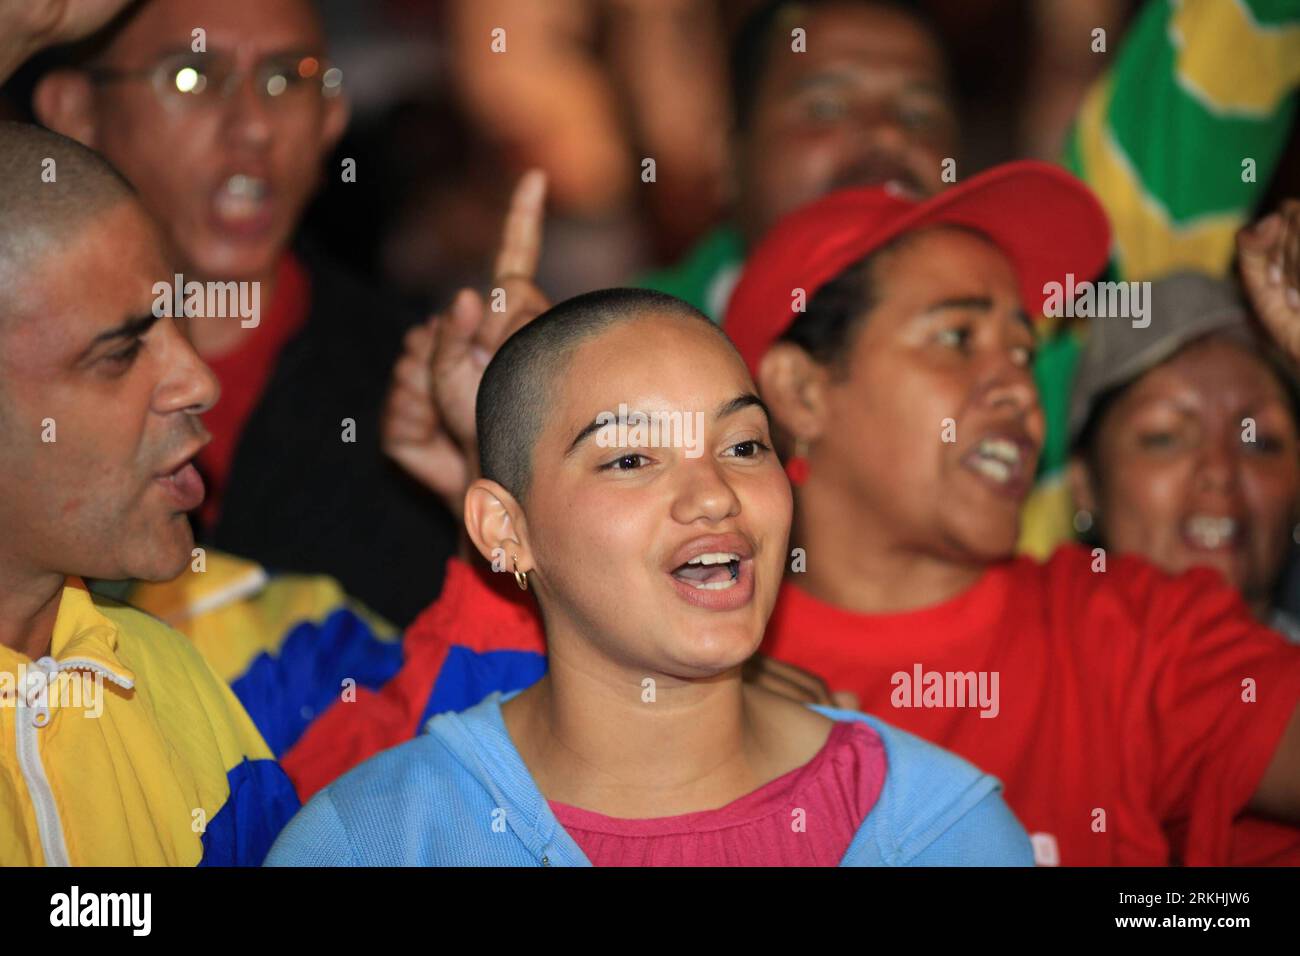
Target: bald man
(129, 749)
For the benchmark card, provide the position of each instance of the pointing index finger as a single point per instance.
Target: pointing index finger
(521, 240)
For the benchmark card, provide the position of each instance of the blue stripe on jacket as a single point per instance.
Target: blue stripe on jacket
(284, 692)
(468, 676)
(261, 802)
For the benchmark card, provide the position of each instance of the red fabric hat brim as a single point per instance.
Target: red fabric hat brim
(1046, 221)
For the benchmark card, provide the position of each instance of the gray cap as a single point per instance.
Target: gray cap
(1183, 307)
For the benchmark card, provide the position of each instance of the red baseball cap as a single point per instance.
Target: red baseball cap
(1046, 221)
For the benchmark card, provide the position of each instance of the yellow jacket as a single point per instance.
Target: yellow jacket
(122, 747)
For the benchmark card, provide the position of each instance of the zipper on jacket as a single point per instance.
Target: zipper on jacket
(27, 726)
(81, 663)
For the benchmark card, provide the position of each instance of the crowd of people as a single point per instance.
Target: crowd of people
(913, 567)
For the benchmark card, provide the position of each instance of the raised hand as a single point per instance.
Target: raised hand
(412, 434)
(27, 26)
(475, 328)
(1269, 258)
(515, 271)
(429, 416)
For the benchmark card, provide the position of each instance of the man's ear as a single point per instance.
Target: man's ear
(795, 388)
(496, 526)
(1082, 486)
(64, 100)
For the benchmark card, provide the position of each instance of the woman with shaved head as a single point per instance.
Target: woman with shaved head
(655, 562)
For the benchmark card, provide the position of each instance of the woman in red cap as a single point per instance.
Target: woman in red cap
(1131, 715)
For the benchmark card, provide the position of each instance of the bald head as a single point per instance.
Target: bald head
(50, 188)
(517, 390)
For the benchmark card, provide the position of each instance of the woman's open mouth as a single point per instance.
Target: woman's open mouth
(710, 572)
(716, 580)
(1204, 532)
(1002, 462)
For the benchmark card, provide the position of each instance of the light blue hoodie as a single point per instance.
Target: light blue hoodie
(460, 795)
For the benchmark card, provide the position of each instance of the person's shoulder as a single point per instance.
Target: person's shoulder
(471, 611)
(917, 763)
(410, 772)
(181, 687)
(1109, 588)
(433, 800)
(1112, 569)
(931, 794)
(147, 643)
(398, 808)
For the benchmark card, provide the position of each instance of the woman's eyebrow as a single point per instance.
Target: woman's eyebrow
(747, 400)
(595, 425)
(730, 407)
(981, 303)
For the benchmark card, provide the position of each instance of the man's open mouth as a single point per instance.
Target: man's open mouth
(183, 484)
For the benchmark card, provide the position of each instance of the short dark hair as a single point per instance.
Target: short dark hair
(830, 320)
(751, 47)
(39, 216)
(518, 385)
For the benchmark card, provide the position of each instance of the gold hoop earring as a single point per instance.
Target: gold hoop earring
(521, 577)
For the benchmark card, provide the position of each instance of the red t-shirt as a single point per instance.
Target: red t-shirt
(807, 817)
(1116, 720)
(244, 374)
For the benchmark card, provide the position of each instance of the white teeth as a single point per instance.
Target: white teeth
(1210, 532)
(718, 557)
(992, 468)
(715, 586)
(1000, 449)
(997, 459)
(245, 187)
(241, 197)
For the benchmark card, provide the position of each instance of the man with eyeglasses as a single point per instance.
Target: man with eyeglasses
(222, 114)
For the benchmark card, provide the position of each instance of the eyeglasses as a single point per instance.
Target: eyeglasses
(190, 80)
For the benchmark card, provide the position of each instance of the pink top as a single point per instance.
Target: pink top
(835, 791)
